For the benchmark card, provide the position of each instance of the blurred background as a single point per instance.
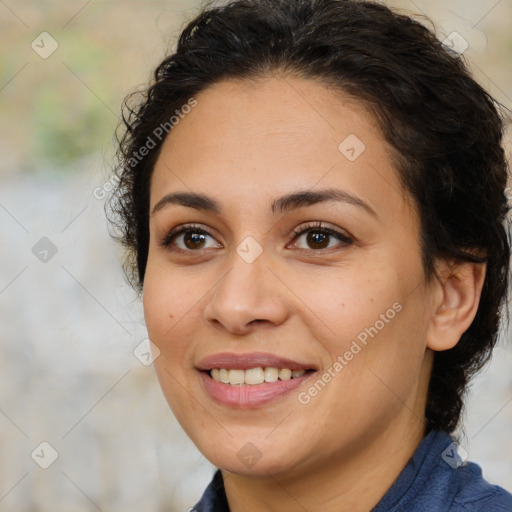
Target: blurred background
(83, 423)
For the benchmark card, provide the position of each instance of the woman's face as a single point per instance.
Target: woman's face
(300, 251)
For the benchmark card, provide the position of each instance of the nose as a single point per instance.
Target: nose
(248, 294)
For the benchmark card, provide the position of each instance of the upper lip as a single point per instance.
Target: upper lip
(231, 360)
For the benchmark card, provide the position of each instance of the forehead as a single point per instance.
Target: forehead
(272, 136)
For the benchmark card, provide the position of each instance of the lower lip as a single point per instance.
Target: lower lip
(246, 395)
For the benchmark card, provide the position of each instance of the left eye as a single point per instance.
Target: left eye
(318, 237)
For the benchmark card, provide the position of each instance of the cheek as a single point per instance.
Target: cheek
(349, 303)
(164, 309)
(167, 296)
(156, 309)
(164, 315)
(372, 320)
(172, 303)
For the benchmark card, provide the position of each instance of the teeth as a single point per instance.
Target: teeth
(224, 375)
(252, 376)
(285, 374)
(236, 377)
(271, 374)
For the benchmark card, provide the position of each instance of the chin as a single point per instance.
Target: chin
(259, 469)
(257, 459)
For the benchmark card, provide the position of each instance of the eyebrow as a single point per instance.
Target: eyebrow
(301, 198)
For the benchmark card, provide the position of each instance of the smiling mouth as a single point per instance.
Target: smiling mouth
(252, 379)
(255, 376)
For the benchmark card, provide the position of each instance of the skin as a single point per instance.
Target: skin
(245, 144)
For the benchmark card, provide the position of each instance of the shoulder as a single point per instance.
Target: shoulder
(437, 479)
(475, 494)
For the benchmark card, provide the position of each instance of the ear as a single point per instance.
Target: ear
(456, 296)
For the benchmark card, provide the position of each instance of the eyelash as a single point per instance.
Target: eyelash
(312, 226)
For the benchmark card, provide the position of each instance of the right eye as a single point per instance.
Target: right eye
(186, 238)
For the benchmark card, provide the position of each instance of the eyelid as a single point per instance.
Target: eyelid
(321, 226)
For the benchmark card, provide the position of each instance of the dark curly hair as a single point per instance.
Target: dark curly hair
(445, 129)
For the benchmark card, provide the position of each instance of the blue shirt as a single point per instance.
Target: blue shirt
(434, 480)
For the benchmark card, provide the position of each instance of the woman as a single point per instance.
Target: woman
(312, 197)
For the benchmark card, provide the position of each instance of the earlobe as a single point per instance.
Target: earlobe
(458, 292)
